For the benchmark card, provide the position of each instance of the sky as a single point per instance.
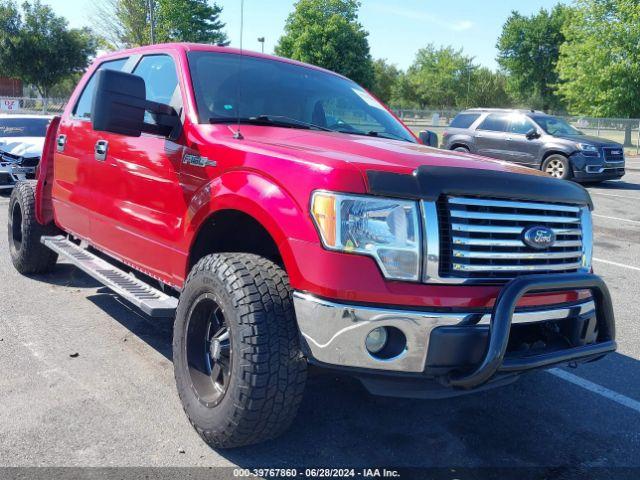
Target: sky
(397, 28)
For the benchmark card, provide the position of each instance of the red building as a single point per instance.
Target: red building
(10, 87)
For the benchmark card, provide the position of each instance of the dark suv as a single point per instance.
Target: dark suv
(537, 140)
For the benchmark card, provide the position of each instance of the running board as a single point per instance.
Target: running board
(151, 301)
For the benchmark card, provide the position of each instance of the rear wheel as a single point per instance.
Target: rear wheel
(461, 149)
(239, 370)
(557, 166)
(28, 255)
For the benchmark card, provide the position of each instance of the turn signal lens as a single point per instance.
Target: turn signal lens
(324, 213)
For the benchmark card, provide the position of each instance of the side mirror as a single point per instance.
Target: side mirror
(428, 138)
(532, 134)
(119, 106)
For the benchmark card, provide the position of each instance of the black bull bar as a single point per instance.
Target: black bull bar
(494, 361)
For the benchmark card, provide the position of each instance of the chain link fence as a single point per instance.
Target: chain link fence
(622, 130)
(32, 106)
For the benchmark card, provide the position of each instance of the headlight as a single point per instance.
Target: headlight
(383, 228)
(585, 147)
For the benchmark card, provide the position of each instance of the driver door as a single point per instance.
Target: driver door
(139, 176)
(519, 148)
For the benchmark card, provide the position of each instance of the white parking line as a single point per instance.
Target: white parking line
(616, 218)
(598, 389)
(616, 264)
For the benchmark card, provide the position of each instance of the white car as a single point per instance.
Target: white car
(21, 143)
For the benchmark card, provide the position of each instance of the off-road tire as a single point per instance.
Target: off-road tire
(268, 370)
(562, 162)
(28, 255)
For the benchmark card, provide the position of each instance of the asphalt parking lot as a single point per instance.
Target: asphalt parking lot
(115, 404)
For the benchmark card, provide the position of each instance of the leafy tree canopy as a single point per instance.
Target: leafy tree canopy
(38, 47)
(528, 51)
(438, 77)
(599, 64)
(126, 23)
(385, 78)
(327, 33)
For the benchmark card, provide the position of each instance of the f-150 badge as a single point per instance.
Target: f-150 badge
(198, 161)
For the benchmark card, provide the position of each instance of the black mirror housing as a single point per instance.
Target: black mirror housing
(428, 138)
(532, 134)
(119, 106)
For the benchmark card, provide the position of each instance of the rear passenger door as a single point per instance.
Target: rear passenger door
(490, 136)
(72, 192)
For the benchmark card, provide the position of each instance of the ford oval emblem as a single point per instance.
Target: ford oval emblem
(539, 238)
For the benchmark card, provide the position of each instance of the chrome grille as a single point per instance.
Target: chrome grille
(482, 238)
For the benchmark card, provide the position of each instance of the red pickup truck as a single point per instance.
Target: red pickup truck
(285, 217)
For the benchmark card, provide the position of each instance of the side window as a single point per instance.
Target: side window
(83, 107)
(160, 78)
(495, 123)
(520, 125)
(464, 120)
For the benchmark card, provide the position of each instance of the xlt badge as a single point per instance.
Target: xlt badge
(198, 161)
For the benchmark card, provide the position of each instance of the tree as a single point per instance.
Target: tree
(327, 33)
(528, 51)
(438, 77)
(127, 23)
(599, 65)
(190, 21)
(38, 47)
(488, 89)
(385, 78)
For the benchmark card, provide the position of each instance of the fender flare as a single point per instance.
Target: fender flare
(257, 196)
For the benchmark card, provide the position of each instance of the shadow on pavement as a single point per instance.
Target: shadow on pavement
(615, 185)
(541, 421)
(67, 275)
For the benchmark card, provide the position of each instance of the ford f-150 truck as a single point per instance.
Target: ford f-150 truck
(286, 218)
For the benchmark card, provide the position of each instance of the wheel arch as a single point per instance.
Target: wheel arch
(245, 212)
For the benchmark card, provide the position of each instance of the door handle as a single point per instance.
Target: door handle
(61, 142)
(101, 150)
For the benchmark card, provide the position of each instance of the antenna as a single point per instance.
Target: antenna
(238, 135)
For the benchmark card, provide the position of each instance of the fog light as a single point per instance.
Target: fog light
(376, 340)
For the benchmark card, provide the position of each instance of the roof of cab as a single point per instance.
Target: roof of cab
(189, 47)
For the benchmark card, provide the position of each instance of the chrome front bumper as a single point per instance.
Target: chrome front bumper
(335, 333)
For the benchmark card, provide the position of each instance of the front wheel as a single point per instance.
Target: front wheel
(557, 166)
(239, 370)
(28, 255)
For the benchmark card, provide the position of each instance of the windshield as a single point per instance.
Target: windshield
(556, 126)
(23, 127)
(228, 87)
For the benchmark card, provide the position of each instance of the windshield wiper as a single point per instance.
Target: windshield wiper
(271, 120)
(373, 133)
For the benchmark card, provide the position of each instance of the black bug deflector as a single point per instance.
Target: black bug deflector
(494, 361)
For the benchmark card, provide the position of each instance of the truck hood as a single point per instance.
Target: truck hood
(22, 146)
(366, 153)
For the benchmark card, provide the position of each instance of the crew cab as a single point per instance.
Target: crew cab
(284, 217)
